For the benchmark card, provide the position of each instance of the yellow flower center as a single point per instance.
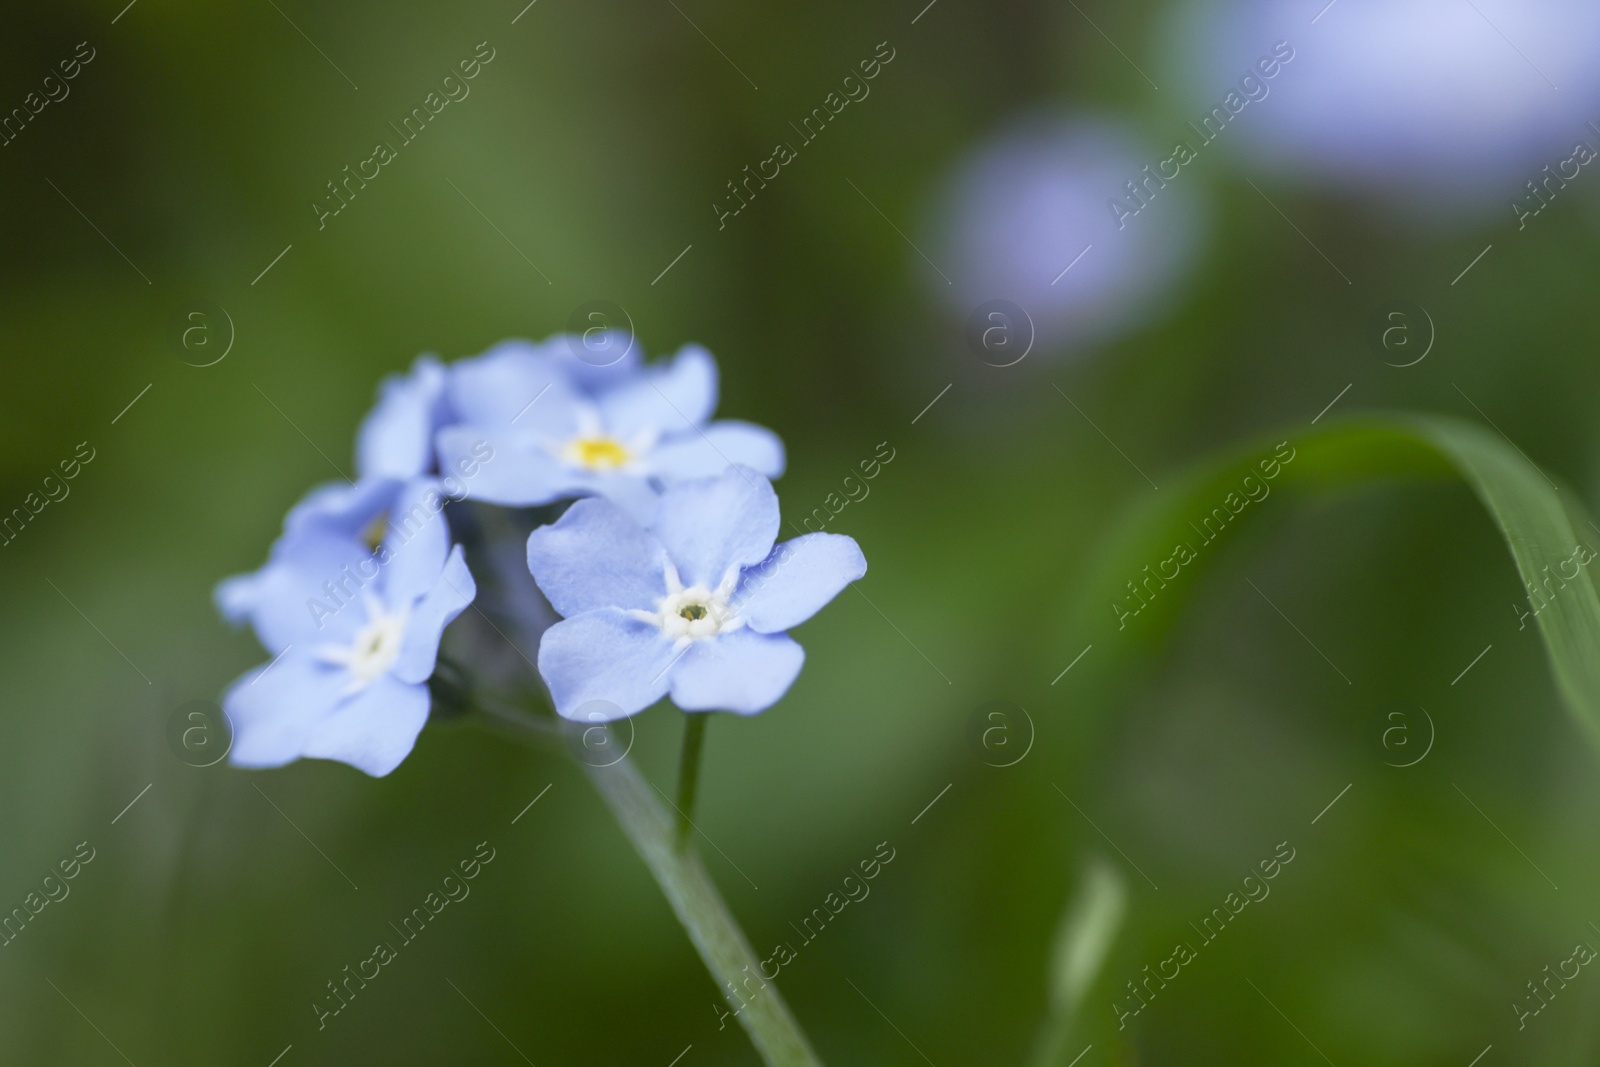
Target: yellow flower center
(372, 536)
(598, 453)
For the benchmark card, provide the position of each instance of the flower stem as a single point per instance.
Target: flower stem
(683, 879)
(694, 739)
(703, 913)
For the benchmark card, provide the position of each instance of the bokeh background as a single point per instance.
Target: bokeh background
(1386, 156)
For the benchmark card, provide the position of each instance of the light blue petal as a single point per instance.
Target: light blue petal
(415, 544)
(631, 493)
(236, 597)
(596, 359)
(604, 655)
(452, 590)
(396, 437)
(297, 705)
(288, 600)
(667, 399)
(708, 452)
(712, 524)
(273, 709)
(340, 507)
(469, 449)
(517, 474)
(797, 580)
(596, 556)
(319, 567)
(742, 671)
(513, 388)
(372, 730)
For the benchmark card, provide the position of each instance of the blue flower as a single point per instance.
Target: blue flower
(355, 633)
(322, 532)
(1417, 103)
(394, 444)
(1034, 199)
(393, 447)
(329, 528)
(695, 603)
(561, 426)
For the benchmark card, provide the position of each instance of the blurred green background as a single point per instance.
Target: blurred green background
(208, 920)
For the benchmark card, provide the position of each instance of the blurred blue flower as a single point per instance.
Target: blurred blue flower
(332, 525)
(393, 444)
(327, 525)
(1027, 217)
(1432, 103)
(563, 427)
(695, 603)
(355, 632)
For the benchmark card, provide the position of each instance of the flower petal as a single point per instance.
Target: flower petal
(415, 544)
(712, 524)
(708, 452)
(236, 596)
(514, 387)
(287, 600)
(396, 437)
(665, 399)
(796, 581)
(518, 473)
(596, 556)
(452, 590)
(632, 494)
(340, 507)
(274, 708)
(604, 655)
(742, 671)
(597, 359)
(372, 730)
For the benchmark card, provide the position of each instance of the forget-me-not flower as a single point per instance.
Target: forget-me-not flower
(355, 635)
(563, 427)
(695, 603)
(394, 445)
(1424, 104)
(1025, 217)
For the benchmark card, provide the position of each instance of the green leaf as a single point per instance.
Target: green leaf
(1083, 941)
(1085, 935)
(1539, 520)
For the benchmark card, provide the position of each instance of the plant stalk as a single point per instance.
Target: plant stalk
(694, 739)
(703, 913)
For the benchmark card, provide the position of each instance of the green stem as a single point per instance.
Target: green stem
(683, 879)
(703, 913)
(694, 739)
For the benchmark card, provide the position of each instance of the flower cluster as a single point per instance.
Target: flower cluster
(666, 569)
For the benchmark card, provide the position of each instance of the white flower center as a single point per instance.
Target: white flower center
(693, 613)
(376, 646)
